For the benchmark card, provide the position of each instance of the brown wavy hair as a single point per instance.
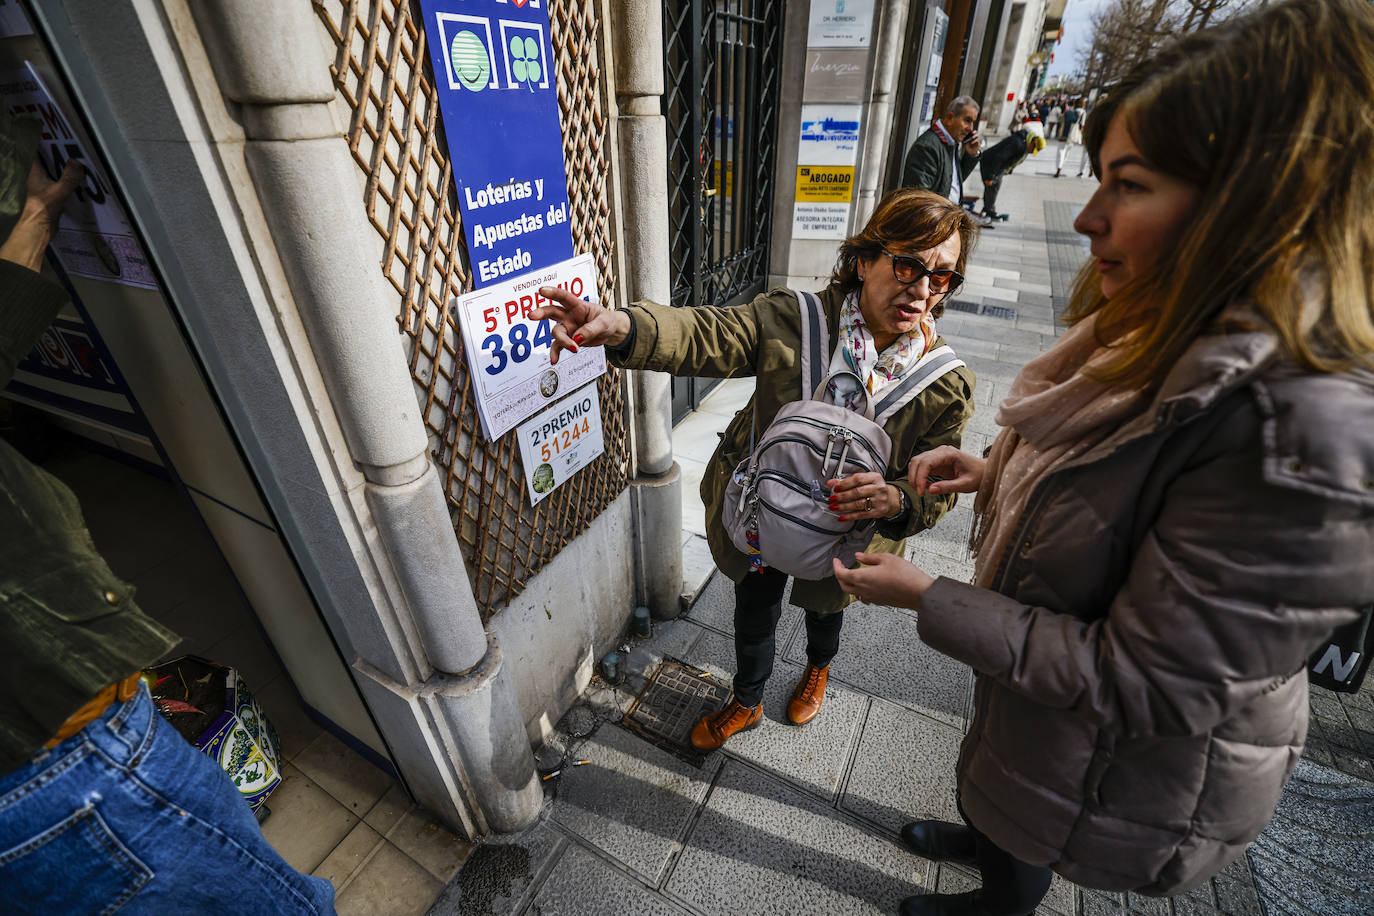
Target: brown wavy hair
(910, 219)
(1268, 117)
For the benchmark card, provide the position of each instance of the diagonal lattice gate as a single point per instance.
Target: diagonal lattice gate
(382, 74)
(722, 67)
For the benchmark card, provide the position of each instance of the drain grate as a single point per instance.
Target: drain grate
(974, 308)
(675, 698)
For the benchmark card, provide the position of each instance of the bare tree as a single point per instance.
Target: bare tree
(1127, 32)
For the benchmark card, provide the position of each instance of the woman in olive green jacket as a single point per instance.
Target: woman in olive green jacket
(887, 290)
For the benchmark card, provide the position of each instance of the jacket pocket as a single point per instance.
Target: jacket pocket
(81, 591)
(1101, 762)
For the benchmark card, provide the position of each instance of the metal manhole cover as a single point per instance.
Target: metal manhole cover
(975, 308)
(675, 698)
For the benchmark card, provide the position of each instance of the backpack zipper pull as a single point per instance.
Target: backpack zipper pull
(844, 452)
(746, 488)
(830, 438)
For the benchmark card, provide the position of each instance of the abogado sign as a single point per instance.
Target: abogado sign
(493, 64)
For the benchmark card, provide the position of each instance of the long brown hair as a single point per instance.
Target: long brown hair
(1268, 116)
(908, 218)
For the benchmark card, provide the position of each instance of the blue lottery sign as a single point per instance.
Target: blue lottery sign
(493, 64)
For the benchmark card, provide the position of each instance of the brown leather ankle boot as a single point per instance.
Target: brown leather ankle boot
(810, 693)
(713, 729)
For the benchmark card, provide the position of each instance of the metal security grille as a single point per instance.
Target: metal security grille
(722, 65)
(382, 73)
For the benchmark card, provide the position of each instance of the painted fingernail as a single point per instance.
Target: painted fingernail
(572, 348)
(577, 338)
(843, 518)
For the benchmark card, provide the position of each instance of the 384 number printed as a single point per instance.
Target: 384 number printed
(521, 345)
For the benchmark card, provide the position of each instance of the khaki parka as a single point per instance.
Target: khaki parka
(1141, 695)
(762, 338)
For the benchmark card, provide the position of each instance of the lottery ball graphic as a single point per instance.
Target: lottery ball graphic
(471, 65)
(548, 383)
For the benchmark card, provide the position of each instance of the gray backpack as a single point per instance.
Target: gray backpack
(776, 508)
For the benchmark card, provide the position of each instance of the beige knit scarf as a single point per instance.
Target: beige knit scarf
(1053, 414)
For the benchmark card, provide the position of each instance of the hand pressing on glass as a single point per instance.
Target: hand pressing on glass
(42, 209)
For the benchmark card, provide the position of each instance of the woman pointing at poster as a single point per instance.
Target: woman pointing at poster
(888, 287)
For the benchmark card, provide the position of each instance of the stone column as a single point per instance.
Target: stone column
(656, 488)
(269, 62)
(887, 62)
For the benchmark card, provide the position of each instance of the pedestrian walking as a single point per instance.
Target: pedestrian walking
(1053, 120)
(1178, 509)
(1073, 139)
(888, 289)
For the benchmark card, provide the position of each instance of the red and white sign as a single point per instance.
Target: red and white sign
(508, 352)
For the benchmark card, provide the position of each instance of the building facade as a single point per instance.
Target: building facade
(290, 354)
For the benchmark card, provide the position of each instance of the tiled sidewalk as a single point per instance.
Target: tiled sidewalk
(787, 820)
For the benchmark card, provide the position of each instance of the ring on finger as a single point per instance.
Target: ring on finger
(868, 503)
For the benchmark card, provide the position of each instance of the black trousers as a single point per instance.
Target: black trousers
(1010, 887)
(758, 605)
(990, 189)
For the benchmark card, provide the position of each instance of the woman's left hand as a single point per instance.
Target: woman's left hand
(863, 495)
(884, 578)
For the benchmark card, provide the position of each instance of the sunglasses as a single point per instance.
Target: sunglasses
(910, 270)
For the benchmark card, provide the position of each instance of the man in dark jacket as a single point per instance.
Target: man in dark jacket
(943, 156)
(1002, 158)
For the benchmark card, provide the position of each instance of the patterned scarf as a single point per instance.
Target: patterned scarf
(878, 370)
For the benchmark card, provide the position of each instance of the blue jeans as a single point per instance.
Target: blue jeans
(126, 814)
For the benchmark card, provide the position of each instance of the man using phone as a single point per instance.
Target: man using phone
(945, 154)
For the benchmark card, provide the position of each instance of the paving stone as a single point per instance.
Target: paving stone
(990, 369)
(581, 883)
(949, 537)
(715, 607)
(813, 756)
(763, 847)
(632, 801)
(881, 654)
(995, 329)
(987, 392)
(1017, 355)
(1317, 854)
(973, 346)
(1234, 888)
(498, 874)
(936, 565)
(1061, 897)
(904, 769)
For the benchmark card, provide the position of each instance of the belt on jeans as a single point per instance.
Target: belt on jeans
(95, 708)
